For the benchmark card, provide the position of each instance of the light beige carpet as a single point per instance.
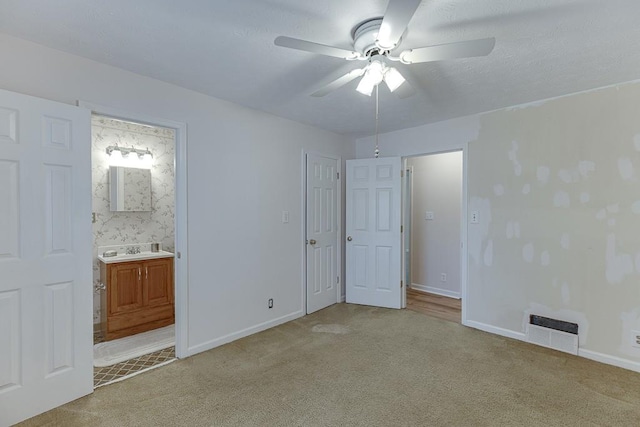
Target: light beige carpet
(359, 366)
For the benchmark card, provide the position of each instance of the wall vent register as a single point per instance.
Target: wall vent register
(553, 333)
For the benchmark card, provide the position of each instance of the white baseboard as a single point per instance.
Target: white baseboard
(437, 291)
(208, 345)
(587, 354)
(495, 330)
(343, 298)
(610, 360)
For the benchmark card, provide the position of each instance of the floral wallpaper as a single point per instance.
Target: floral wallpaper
(121, 228)
(137, 189)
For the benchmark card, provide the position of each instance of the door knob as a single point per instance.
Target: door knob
(312, 242)
(349, 238)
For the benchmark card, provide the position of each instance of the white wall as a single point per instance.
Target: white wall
(434, 138)
(244, 169)
(435, 243)
(556, 187)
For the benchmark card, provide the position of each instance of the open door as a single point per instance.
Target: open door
(45, 256)
(373, 247)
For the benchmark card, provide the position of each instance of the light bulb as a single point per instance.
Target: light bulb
(393, 79)
(372, 77)
(376, 72)
(365, 86)
(115, 158)
(147, 160)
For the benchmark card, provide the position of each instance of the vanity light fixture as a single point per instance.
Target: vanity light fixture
(124, 151)
(121, 156)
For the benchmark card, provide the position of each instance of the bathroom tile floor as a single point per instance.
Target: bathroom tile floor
(108, 374)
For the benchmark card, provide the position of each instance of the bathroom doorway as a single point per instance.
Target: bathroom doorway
(134, 246)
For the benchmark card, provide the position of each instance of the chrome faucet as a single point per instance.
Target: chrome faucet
(133, 250)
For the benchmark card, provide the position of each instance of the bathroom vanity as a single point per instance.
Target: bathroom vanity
(139, 293)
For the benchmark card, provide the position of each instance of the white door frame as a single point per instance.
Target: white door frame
(180, 219)
(464, 253)
(407, 229)
(340, 216)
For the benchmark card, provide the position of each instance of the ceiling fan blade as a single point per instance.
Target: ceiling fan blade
(316, 48)
(395, 21)
(466, 49)
(339, 82)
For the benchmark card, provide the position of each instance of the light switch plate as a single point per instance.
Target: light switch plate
(428, 215)
(475, 218)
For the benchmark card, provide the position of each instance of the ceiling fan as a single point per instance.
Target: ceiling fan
(376, 40)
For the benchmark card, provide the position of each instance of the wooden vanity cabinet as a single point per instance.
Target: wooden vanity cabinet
(138, 296)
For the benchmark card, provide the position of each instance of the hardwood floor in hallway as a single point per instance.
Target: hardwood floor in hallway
(434, 305)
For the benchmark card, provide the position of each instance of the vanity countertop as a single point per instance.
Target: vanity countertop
(135, 257)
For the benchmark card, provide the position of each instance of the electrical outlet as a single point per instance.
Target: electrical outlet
(635, 339)
(270, 302)
(285, 217)
(443, 277)
(475, 218)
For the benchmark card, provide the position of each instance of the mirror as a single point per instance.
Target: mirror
(129, 189)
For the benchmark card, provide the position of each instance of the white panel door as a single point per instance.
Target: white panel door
(45, 256)
(322, 232)
(373, 248)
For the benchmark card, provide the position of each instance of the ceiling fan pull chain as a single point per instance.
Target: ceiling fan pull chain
(377, 150)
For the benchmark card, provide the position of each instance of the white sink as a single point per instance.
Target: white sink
(135, 257)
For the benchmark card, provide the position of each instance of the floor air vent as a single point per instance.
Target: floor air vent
(553, 333)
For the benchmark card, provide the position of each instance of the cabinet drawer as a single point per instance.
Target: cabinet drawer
(140, 317)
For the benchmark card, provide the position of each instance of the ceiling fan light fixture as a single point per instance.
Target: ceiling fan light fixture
(393, 79)
(365, 86)
(372, 77)
(376, 72)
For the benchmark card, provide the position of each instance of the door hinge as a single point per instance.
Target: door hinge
(401, 283)
(338, 279)
(338, 175)
(401, 228)
(401, 174)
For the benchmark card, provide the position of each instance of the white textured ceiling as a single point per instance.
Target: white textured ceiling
(224, 48)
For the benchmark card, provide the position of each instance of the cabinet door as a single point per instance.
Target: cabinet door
(125, 287)
(158, 282)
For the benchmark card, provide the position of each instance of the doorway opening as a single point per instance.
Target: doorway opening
(432, 217)
(134, 242)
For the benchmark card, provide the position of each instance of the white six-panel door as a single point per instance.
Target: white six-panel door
(322, 232)
(373, 247)
(45, 256)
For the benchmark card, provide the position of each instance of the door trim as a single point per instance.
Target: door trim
(464, 253)
(181, 272)
(340, 215)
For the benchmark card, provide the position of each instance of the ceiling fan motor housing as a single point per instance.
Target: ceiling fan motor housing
(365, 36)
